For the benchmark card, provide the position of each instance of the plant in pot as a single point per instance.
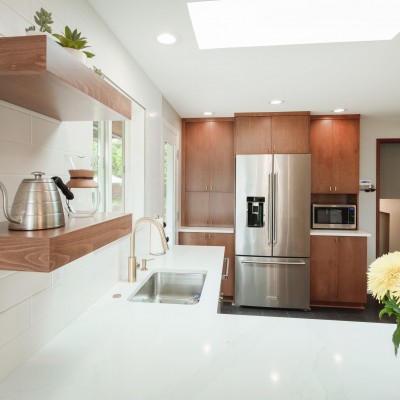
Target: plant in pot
(74, 43)
(43, 19)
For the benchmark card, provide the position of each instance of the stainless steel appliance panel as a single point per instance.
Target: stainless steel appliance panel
(272, 282)
(253, 180)
(291, 205)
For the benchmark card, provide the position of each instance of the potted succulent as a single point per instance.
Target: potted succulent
(43, 19)
(74, 43)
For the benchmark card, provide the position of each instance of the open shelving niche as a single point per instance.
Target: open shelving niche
(49, 249)
(38, 74)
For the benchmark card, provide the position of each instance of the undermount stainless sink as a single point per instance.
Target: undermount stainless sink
(171, 287)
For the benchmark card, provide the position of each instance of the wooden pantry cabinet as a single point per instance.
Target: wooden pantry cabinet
(335, 154)
(265, 133)
(215, 239)
(339, 271)
(208, 172)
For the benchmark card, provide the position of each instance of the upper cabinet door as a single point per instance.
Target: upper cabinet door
(253, 135)
(346, 156)
(290, 134)
(197, 156)
(321, 156)
(222, 157)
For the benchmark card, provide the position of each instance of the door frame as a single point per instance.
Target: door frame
(379, 142)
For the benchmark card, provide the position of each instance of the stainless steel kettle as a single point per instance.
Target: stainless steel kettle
(37, 204)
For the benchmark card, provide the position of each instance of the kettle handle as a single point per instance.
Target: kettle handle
(5, 205)
(63, 187)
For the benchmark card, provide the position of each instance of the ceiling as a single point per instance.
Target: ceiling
(362, 77)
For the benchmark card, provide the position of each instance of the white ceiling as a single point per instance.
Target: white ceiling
(361, 77)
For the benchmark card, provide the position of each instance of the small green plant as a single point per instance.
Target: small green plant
(73, 40)
(43, 20)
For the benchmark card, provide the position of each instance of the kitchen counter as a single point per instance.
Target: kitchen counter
(338, 232)
(127, 351)
(205, 229)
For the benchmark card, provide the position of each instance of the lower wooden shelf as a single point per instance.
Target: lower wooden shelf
(47, 250)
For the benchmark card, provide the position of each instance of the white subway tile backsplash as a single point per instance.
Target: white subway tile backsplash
(6, 273)
(44, 302)
(22, 7)
(17, 287)
(14, 321)
(13, 24)
(61, 136)
(15, 125)
(27, 343)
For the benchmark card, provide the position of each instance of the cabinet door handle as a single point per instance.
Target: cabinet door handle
(206, 188)
(335, 188)
(226, 274)
(212, 188)
(330, 188)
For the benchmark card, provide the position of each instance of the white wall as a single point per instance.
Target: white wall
(32, 307)
(372, 129)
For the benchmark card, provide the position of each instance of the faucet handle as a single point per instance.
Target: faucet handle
(144, 263)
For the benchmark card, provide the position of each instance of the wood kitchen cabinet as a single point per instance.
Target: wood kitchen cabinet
(216, 239)
(339, 271)
(208, 172)
(265, 133)
(335, 150)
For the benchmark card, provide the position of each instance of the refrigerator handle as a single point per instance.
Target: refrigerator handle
(273, 262)
(269, 217)
(275, 225)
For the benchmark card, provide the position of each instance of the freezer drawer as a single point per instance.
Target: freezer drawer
(272, 282)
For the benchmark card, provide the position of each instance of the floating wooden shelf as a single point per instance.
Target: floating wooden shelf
(38, 74)
(47, 250)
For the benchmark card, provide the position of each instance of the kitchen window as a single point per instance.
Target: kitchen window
(109, 147)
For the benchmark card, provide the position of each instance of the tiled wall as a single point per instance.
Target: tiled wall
(35, 306)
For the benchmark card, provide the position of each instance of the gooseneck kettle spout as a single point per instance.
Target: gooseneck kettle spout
(5, 206)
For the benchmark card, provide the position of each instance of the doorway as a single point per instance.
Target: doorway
(387, 196)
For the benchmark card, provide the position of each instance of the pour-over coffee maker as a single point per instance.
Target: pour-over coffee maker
(83, 184)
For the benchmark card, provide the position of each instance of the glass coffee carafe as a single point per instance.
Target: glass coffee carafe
(83, 184)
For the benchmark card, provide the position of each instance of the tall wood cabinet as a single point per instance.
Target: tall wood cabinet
(335, 150)
(216, 239)
(339, 271)
(208, 173)
(265, 133)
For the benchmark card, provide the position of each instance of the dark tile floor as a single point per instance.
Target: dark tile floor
(370, 314)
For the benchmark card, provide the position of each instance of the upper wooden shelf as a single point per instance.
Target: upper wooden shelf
(49, 249)
(38, 74)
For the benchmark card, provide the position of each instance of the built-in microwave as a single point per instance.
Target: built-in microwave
(334, 216)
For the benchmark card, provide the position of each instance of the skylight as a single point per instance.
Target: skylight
(249, 23)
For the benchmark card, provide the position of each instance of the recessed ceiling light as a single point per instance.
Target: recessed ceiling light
(276, 101)
(339, 110)
(207, 113)
(248, 23)
(168, 38)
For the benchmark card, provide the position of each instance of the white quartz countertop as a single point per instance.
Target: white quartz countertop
(205, 229)
(338, 232)
(138, 351)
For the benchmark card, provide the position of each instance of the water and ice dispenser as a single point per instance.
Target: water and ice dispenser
(255, 212)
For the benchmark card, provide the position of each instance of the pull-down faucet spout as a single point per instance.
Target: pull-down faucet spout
(132, 257)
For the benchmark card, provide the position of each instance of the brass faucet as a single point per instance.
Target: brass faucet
(132, 257)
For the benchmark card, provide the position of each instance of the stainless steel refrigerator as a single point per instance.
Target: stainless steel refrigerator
(272, 228)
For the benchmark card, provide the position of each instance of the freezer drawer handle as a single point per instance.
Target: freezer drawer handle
(274, 262)
(226, 274)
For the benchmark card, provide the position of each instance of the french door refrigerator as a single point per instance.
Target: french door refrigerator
(272, 228)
